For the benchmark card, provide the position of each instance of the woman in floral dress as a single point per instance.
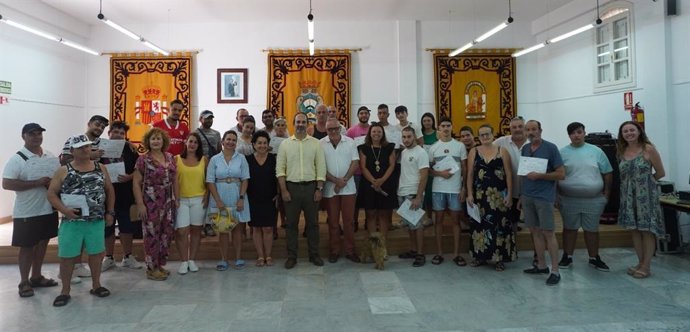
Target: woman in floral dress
(155, 183)
(640, 168)
(488, 186)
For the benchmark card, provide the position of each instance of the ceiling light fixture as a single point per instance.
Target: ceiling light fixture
(486, 35)
(129, 33)
(561, 37)
(48, 36)
(310, 30)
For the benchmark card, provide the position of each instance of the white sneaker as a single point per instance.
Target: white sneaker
(80, 270)
(75, 280)
(184, 267)
(108, 262)
(192, 266)
(131, 262)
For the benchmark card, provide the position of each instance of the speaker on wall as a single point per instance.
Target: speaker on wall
(671, 7)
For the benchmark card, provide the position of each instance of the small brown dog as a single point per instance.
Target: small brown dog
(374, 247)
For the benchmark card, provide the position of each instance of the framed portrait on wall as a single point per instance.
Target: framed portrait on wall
(232, 86)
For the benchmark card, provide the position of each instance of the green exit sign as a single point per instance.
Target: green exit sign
(6, 87)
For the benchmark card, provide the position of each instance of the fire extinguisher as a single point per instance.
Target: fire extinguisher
(637, 114)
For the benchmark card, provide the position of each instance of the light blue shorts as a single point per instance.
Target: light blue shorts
(442, 201)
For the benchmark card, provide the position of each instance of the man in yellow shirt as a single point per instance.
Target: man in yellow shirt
(301, 171)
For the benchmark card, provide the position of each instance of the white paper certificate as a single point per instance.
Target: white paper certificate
(473, 212)
(37, 168)
(112, 148)
(529, 164)
(413, 216)
(76, 202)
(114, 170)
(447, 163)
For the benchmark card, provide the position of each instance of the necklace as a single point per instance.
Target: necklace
(377, 164)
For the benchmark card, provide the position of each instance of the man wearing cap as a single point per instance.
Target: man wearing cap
(359, 130)
(34, 220)
(81, 190)
(210, 138)
(94, 130)
(177, 131)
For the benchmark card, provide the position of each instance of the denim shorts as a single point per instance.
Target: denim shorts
(442, 201)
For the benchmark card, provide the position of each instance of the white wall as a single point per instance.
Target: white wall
(48, 83)
(555, 84)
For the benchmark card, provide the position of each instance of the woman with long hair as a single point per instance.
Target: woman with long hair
(244, 141)
(263, 189)
(489, 185)
(155, 191)
(430, 137)
(227, 178)
(192, 202)
(640, 168)
(376, 192)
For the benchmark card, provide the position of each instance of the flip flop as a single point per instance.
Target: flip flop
(221, 266)
(61, 300)
(42, 282)
(25, 290)
(639, 274)
(100, 292)
(459, 261)
(438, 259)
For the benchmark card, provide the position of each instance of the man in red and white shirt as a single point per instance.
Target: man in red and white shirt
(177, 130)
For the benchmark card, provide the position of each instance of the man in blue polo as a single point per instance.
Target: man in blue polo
(537, 199)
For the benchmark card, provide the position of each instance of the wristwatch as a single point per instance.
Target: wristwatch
(319, 188)
(111, 213)
(241, 196)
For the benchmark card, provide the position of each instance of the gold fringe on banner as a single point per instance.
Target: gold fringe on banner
(301, 51)
(153, 54)
(475, 50)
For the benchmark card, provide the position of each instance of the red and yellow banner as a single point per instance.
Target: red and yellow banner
(299, 82)
(142, 88)
(475, 88)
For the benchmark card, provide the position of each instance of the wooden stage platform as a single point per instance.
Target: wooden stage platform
(610, 236)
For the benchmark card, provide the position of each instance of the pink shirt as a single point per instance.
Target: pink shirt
(354, 132)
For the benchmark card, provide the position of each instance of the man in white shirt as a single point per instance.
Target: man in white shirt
(339, 190)
(34, 220)
(513, 143)
(392, 132)
(401, 115)
(414, 169)
(449, 170)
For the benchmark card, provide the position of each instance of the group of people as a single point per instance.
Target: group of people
(254, 175)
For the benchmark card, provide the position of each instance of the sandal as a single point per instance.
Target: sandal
(222, 265)
(459, 261)
(476, 263)
(156, 275)
(260, 262)
(269, 261)
(419, 260)
(165, 271)
(438, 259)
(500, 267)
(100, 292)
(61, 300)
(42, 282)
(240, 264)
(632, 270)
(639, 274)
(25, 289)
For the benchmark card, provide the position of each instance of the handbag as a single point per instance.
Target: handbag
(223, 221)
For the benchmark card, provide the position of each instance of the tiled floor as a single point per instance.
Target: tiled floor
(354, 297)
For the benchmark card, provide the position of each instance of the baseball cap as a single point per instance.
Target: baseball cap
(363, 108)
(206, 114)
(99, 118)
(78, 141)
(29, 127)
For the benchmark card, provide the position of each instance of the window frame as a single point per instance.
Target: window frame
(613, 84)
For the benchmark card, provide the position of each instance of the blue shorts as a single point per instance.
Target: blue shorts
(442, 201)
